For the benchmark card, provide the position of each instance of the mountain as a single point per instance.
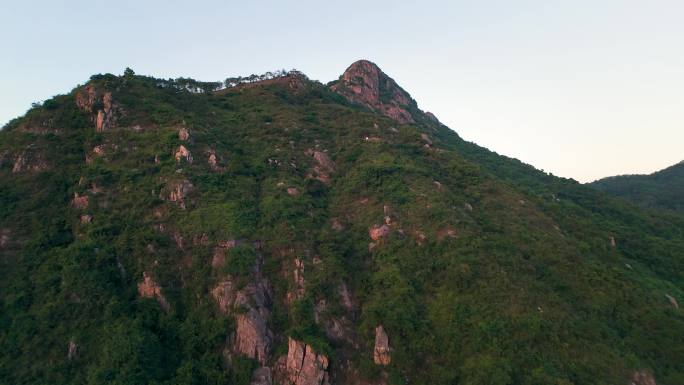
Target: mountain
(276, 230)
(662, 190)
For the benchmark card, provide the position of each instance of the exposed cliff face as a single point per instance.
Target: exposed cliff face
(304, 366)
(99, 104)
(250, 304)
(364, 83)
(30, 160)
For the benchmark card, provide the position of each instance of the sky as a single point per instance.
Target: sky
(581, 89)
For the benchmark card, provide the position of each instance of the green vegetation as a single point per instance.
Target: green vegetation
(493, 273)
(661, 190)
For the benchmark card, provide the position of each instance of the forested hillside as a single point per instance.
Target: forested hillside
(284, 231)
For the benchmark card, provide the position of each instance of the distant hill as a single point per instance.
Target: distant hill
(663, 189)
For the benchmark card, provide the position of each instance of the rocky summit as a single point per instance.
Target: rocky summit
(272, 229)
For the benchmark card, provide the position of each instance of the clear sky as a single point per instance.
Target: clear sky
(582, 88)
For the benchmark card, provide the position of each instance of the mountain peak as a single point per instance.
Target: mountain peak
(363, 82)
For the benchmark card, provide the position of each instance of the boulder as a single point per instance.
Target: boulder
(86, 218)
(446, 232)
(324, 161)
(212, 161)
(323, 167)
(377, 233)
(262, 376)
(183, 153)
(80, 202)
(99, 150)
(381, 352)
(642, 377)
(183, 134)
(336, 224)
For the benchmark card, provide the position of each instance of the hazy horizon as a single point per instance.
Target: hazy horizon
(582, 90)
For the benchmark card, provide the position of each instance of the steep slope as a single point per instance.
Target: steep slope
(662, 190)
(287, 232)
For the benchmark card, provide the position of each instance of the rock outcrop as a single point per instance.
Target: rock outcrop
(224, 295)
(72, 350)
(381, 352)
(672, 300)
(445, 233)
(99, 104)
(336, 224)
(80, 202)
(304, 366)
(149, 288)
(179, 191)
(262, 376)
(298, 289)
(377, 233)
(213, 162)
(252, 336)
(183, 153)
(86, 218)
(29, 161)
(183, 134)
(642, 377)
(338, 329)
(364, 83)
(345, 297)
(432, 117)
(426, 138)
(324, 161)
(218, 259)
(251, 306)
(324, 166)
(5, 238)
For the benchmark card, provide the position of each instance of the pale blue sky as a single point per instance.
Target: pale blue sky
(583, 89)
